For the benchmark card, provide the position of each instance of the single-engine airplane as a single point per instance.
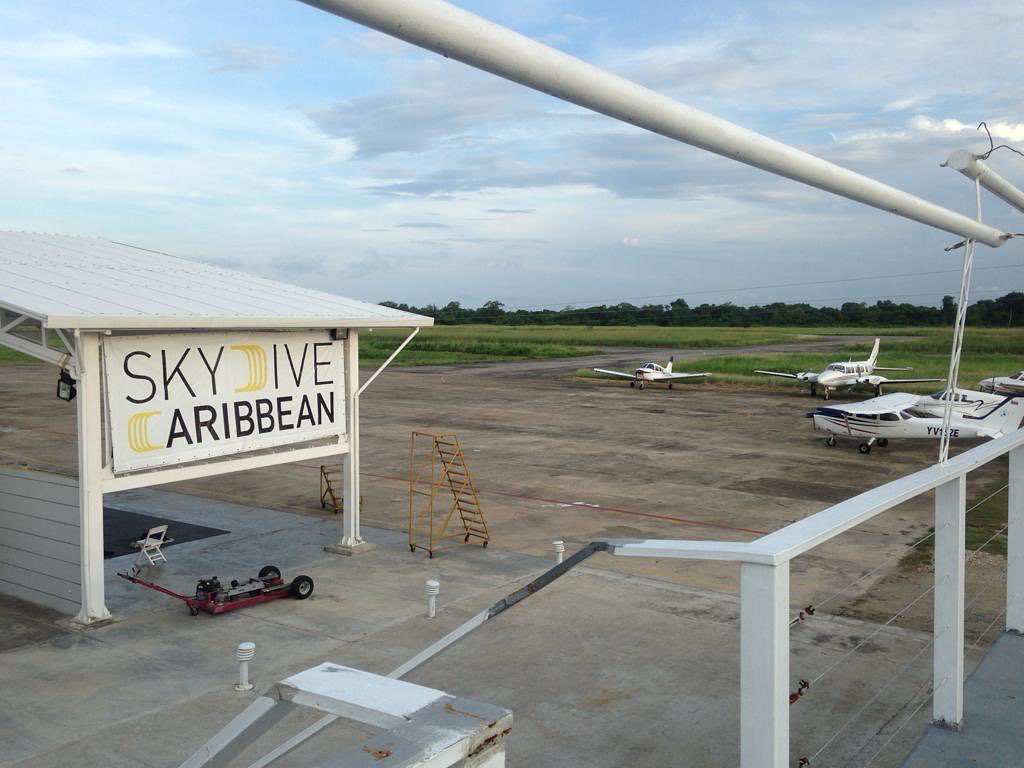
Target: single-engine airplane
(651, 372)
(850, 374)
(901, 415)
(1004, 385)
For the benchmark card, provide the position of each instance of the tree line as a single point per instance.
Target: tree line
(1005, 311)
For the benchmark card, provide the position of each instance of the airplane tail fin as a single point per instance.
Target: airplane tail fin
(874, 352)
(1004, 417)
(668, 368)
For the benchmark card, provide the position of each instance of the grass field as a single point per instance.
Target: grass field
(987, 351)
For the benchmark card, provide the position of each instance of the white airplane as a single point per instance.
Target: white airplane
(651, 372)
(849, 374)
(900, 415)
(966, 402)
(1004, 385)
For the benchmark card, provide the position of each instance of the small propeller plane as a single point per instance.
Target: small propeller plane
(651, 372)
(1004, 385)
(902, 415)
(850, 374)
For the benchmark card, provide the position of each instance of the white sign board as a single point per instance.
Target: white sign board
(183, 397)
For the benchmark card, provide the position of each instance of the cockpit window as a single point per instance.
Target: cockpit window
(918, 414)
(889, 417)
(837, 367)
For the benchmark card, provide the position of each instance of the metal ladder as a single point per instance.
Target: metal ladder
(447, 467)
(329, 477)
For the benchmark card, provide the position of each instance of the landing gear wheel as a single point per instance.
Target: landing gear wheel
(826, 394)
(641, 385)
(831, 441)
(814, 391)
(632, 384)
(670, 385)
(864, 448)
(269, 572)
(882, 442)
(301, 588)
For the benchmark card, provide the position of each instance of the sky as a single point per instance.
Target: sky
(269, 136)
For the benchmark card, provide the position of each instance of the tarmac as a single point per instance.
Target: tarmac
(600, 669)
(623, 662)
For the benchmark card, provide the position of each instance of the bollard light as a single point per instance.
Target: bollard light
(433, 589)
(243, 655)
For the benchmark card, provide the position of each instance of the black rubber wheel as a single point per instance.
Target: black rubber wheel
(632, 384)
(641, 385)
(831, 441)
(430, 554)
(412, 547)
(882, 442)
(301, 587)
(323, 505)
(193, 610)
(466, 540)
(670, 385)
(269, 572)
(864, 448)
(485, 545)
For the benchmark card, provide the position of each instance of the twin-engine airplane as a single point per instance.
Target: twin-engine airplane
(903, 415)
(850, 374)
(651, 372)
(1004, 385)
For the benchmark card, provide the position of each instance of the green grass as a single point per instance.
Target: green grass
(984, 531)
(8, 355)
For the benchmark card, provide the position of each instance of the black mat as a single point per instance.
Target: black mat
(121, 528)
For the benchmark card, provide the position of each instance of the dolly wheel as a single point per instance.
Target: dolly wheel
(193, 610)
(864, 448)
(269, 572)
(301, 588)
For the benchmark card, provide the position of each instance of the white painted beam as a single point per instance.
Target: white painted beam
(974, 168)
(458, 34)
(948, 627)
(90, 484)
(1015, 544)
(764, 666)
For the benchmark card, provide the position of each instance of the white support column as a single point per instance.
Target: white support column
(948, 629)
(764, 666)
(90, 492)
(352, 542)
(1015, 544)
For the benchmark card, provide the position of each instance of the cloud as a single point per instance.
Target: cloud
(67, 47)
(235, 57)
(999, 129)
(508, 210)
(72, 169)
(422, 225)
(435, 103)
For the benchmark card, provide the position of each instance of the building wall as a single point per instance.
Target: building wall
(40, 560)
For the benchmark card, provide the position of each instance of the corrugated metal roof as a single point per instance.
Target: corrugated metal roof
(92, 283)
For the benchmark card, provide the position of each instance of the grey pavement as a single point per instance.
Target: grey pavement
(600, 669)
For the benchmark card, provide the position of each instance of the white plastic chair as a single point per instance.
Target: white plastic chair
(149, 547)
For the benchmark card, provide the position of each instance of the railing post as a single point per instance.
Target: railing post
(764, 665)
(1015, 543)
(948, 627)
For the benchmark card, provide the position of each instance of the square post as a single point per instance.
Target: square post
(1015, 543)
(948, 628)
(352, 542)
(90, 491)
(764, 665)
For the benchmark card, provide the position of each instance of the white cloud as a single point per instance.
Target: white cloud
(999, 129)
(237, 57)
(67, 47)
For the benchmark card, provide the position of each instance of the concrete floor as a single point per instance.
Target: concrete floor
(600, 669)
(624, 662)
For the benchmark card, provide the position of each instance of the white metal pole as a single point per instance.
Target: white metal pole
(350, 464)
(764, 665)
(948, 629)
(458, 34)
(974, 168)
(90, 490)
(1015, 543)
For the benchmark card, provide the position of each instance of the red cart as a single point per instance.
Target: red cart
(211, 596)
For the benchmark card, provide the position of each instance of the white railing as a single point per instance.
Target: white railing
(764, 589)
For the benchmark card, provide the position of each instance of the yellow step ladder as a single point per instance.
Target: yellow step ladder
(330, 489)
(438, 467)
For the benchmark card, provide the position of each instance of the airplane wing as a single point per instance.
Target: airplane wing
(907, 381)
(897, 401)
(783, 375)
(883, 368)
(686, 375)
(615, 373)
